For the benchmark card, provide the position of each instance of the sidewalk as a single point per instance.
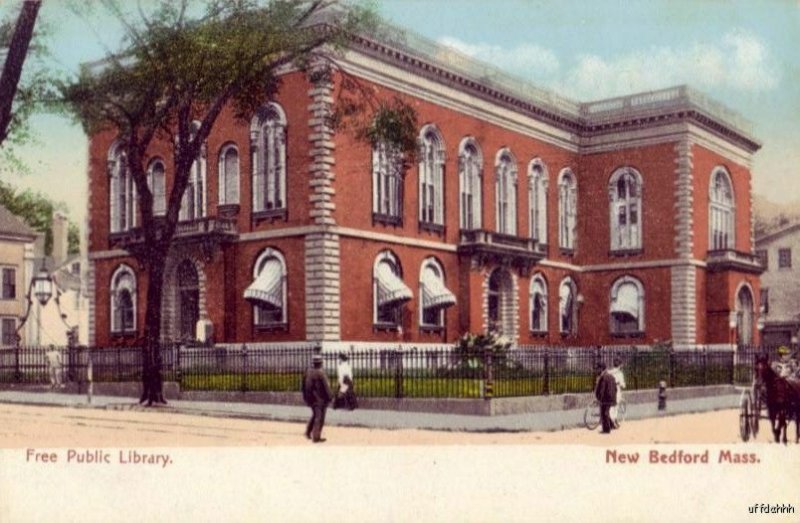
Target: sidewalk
(379, 419)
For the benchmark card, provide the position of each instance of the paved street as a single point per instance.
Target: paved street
(41, 426)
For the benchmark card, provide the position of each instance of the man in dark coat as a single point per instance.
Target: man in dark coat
(606, 393)
(317, 395)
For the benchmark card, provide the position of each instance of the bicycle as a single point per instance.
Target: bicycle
(591, 415)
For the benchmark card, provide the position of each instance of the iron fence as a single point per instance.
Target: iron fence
(393, 373)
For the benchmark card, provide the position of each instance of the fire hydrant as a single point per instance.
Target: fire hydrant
(662, 395)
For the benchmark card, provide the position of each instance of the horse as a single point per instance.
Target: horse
(782, 398)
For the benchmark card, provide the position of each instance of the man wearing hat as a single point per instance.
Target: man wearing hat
(317, 395)
(785, 366)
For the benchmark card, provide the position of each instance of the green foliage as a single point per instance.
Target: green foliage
(37, 211)
(471, 349)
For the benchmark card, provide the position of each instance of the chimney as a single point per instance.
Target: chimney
(38, 245)
(60, 238)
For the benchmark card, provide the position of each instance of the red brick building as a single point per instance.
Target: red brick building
(623, 221)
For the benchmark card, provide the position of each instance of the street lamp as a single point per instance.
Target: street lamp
(42, 288)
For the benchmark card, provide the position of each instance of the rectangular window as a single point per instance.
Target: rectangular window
(9, 291)
(784, 258)
(8, 331)
(763, 257)
(765, 300)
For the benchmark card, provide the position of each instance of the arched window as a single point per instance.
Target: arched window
(506, 192)
(268, 144)
(627, 306)
(156, 181)
(568, 306)
(267, 293)
(537, 200)
(538, 294)
(721, 211)
(470, 181)
(435, 295)
(193, 204)
(389, 291)
(567, 209)
(431, 176)
(625, 209)
(122, 192)
(228, 175)
(123, 301)
(387, 184)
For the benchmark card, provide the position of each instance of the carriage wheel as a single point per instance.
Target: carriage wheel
(755, 415)
(744, 417)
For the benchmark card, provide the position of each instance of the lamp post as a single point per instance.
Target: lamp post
(41, 288)
(732, 322)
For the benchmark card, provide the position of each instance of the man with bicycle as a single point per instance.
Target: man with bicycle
(619, 378)
(606, 393)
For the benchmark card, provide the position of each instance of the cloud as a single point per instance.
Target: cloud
(525, 60)
(738, 61)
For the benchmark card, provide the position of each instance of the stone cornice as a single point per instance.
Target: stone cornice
(440, 64)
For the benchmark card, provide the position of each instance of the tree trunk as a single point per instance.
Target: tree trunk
(152, 380)
(12, 69)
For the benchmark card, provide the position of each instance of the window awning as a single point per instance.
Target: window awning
(434, 293)
(267, 288)
(391, 288)
(627, 301)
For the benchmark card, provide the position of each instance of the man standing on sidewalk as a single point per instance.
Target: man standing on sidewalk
(53, 358)
(606, 393)
(317, 395)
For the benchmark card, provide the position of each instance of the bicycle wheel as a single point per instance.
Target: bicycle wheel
(622, 407)
(591, 415)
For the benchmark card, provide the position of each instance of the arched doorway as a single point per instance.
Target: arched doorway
(500, 303)
(188, 299)
(744, 316)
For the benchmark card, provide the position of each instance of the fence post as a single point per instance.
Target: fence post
(17, 373)
(119, 364)
(671, 371)
(398, 373)
(488, 383)
(244, 368)
(634, 372)
(732, 377)
(705, 366)
(178, 373)
(546, 378)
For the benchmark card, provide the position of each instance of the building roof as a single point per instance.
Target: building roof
(13, 225)
(414, 52)
(774, 234)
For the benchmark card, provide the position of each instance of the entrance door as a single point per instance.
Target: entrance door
(188, 301)
(744, 317)
(500, 303)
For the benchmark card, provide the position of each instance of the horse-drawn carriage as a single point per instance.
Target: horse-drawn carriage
(776, 390)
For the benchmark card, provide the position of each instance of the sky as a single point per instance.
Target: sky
(742, 54)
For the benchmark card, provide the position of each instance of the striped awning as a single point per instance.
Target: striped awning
(391, 288)
(565, 300)
(434, 293)
(267, 288)
(627, 301)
